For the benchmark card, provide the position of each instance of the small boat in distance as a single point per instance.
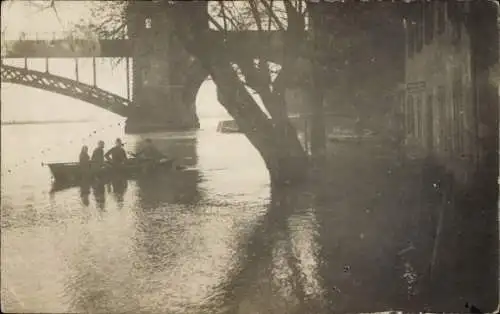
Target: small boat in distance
(228, 126)
(72, 172)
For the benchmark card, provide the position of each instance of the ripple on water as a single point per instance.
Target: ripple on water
(169, 243)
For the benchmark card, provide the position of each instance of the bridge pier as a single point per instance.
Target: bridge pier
(165, 107)
(163, 91)
(159, 105)
(161, 117)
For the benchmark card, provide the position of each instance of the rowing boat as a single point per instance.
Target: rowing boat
(73, 172)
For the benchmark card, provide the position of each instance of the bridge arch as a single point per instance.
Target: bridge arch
(67, 87)
(195, 76)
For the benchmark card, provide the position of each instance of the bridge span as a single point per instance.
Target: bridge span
(268, 44)
(67, 87)
(165, 77)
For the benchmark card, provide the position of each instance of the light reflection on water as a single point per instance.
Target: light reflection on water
(173, 243)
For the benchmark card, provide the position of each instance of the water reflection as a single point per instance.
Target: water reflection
(99, 193)
(278, 263)
(119, 186)
(101, 277)
(163, 202)
(84, 194)
(175, 187)
(208, 239)
(147, 247)
(213, 238)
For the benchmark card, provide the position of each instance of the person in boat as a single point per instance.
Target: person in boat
(117, 154)
(149, 152)
(84, 161)
(149, 155)
(98, 154)
(84, 157)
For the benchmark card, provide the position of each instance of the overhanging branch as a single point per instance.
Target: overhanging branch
(216, 24)
(256, 15)
(271, 13)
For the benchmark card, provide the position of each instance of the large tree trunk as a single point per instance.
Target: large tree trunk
(275, 139)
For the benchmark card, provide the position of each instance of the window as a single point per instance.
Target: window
(401, 101)
(429, 120)
(429, 21)
(418, 38)
(411, 39)
(409, 116)
(458, 34)
(418, 116)
(455, 15)
(441, 16)
(419, 29)
(458, 115)
(442, 118)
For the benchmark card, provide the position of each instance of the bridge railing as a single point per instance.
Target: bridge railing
(60, 35)
(49, 36)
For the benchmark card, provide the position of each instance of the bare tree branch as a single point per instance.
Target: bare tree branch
(269, 8)
(51, 5)
(223, 13)
(219, 27)
(256, 15)
(262, 74)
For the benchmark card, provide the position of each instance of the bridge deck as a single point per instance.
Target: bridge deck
(244, 42)
(62, 48)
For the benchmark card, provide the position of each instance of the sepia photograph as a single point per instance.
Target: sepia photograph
(250, 157)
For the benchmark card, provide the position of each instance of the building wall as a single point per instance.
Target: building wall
(440, 114)
(450, 108)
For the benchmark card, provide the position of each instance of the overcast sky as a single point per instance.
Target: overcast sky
(24, 103)
(24, 16)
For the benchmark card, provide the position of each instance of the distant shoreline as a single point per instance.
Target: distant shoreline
(42, 122)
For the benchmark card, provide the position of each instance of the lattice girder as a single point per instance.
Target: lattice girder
(67, 87)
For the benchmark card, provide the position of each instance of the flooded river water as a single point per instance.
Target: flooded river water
(213, 238)
(163, 245)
